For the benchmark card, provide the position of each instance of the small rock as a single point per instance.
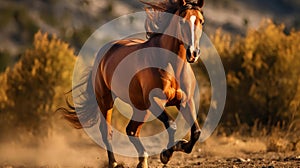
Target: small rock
(286, 159)
(292, 158)
(240, 160)
(268, 167)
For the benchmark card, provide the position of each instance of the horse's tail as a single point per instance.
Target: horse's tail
(85, 113)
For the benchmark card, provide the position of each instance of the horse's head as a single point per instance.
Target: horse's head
(191, 27)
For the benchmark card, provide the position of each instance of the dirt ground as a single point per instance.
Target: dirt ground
(78, 151)
(232, 153)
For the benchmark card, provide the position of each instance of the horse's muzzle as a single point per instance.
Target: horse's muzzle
(192, 55)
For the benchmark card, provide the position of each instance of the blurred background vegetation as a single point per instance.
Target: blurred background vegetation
(33, 87)
(262, 71)
(261, 60)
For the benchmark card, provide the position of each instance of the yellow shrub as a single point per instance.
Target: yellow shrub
(34, 83)
(262, 74)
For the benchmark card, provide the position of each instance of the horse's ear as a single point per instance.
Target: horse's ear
(200, 3)
(182, 2)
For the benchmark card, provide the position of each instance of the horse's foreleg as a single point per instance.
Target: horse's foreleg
(158, 110)
(170, 125)
(133, 132)
(189, 114)
(187, 146)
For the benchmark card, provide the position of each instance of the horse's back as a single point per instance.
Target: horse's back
(141, 83)
(114, 55)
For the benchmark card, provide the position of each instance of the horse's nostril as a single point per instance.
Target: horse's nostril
(188, 53)
(195, 53)
(198, 51)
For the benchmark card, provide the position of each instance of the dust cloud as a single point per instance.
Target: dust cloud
(60, 149)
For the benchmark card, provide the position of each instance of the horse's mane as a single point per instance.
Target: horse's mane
(157, 18)
(157, 21)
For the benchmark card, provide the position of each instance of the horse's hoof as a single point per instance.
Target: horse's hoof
(120, 166)
(116, 165)
(165, 156)
(181, 145)
(143, 164)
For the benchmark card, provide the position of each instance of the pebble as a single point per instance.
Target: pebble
(241, 160)
(268, 167)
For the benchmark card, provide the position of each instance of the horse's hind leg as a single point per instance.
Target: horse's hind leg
(133, 132)
(106, 131)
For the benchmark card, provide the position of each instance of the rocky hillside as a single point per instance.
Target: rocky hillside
(75, 20)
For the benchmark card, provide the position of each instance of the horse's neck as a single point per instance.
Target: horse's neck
(177, 47)
(172, 44)
(170, 39)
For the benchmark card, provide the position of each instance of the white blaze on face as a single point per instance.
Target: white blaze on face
(193, 20)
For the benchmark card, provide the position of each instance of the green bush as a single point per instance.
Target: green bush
(263, 76)
(33, 88)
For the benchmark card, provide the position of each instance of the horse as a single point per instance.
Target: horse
(185, 46)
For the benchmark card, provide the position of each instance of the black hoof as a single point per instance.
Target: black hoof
(165, 156)
(120, 166)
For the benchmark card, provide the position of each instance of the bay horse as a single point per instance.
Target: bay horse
(188, 30)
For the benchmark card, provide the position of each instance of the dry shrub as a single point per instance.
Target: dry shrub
(33, 87)
(263, 72)
(278, 145)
